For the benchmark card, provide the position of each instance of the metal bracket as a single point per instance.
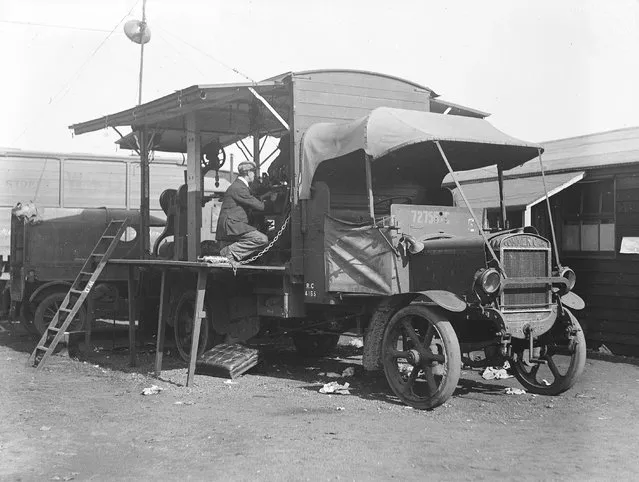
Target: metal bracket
(529, 332)
(505, 344)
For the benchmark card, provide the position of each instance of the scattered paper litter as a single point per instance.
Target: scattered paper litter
(44, 428)
(492, 373)
(515, 391)
(329, 374)
(230, 382)
(339, 409)
(334, 387)
(356, 342)
(152, 390)
(348, 372)
(545, 382)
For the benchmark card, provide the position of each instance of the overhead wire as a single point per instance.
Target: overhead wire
(65, 89)
(206, 54)
(181, 57)
(46, 25)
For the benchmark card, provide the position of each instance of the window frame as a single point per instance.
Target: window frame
(599, 218)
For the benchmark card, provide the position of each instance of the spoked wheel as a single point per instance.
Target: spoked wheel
(421, 357)
(314, 345)
(47, 309)
(563, 349)
(183, 326)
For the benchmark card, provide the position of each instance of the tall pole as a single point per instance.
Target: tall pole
(142, 30)
(144, 157)
(502, 204)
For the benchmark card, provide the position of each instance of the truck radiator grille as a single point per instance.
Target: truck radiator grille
(526, 263)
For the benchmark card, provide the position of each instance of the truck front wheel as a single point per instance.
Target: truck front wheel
(421, 356)
(562, 352)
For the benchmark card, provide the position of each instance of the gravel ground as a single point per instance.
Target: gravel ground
(87, 420)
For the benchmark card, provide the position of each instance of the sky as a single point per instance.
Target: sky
(544, 69)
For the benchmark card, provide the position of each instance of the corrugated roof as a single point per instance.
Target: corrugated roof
(594, 151)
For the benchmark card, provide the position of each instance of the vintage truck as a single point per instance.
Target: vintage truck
(364, 237)
(46, 255)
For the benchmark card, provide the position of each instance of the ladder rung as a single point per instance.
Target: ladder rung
(53, 328)
(86, 273)
(42, 347)
(108, 237)
(98, 254)
(75, 291)
(66, 310)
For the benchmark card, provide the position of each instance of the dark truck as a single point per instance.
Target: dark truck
(363, 237)
(46, 255)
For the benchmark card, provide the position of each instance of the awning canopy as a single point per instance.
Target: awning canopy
(223, 112)
(522, 192)
(469, 143)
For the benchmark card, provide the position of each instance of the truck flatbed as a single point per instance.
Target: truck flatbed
(167, 263)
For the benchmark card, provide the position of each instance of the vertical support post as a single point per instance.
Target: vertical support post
(256, 153)
(254, 119)
(502, 204)
(164, 306)
(369, 187)
(144, 194)
(231, 166)
(194, 187)
(132, 311)
(198, 315)
(90, 318)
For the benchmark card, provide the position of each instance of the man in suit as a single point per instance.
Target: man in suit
(232, 224)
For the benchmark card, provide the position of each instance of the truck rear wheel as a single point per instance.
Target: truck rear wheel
(421, 357)
(183, 327)
(47, 309)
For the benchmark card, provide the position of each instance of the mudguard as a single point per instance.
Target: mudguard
(371, 359)
(573, 300)
(447, 300)
(65, 284)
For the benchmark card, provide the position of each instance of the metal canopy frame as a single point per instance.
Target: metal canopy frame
(187, 120)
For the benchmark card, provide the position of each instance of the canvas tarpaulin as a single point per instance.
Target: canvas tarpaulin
(468, 142)
(358, 258)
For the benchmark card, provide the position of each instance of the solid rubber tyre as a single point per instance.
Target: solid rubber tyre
(532, 376)
(183, 326)
(421, 356)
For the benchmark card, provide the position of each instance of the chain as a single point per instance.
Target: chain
(270, 245)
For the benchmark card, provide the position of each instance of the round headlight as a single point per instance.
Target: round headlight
(490, 281)
(570, 275)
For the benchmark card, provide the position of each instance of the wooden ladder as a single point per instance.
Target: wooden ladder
(80, 289)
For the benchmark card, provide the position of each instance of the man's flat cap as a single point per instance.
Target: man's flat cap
(246, 166)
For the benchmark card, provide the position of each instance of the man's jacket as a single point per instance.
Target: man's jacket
(233, 220)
